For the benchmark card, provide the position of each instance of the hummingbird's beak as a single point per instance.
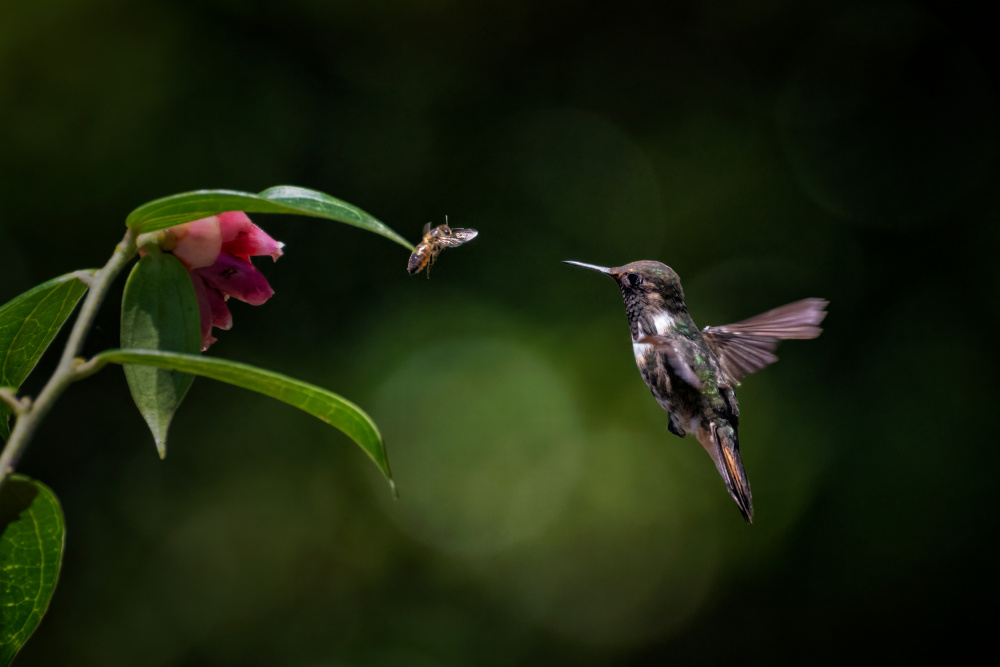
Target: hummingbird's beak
(593, 267)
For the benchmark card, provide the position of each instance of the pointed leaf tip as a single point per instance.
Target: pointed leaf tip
(320, 403)
(187, 206)
(159, 312)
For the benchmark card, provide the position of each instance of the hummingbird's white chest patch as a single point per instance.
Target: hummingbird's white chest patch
(640, 350)
(663, 323)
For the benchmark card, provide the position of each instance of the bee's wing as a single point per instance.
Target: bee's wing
(427, 228)
(748, 346)
(457, 238)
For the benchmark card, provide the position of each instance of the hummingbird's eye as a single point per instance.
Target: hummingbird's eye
(634, 279)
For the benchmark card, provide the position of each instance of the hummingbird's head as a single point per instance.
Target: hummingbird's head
(648, 287)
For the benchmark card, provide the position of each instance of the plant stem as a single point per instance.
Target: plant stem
(66, 372)
(12, 401)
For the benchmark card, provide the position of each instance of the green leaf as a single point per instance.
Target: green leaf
(188, 206)
(159, 312)
(325, 405)
(28, 323)
(32, 532)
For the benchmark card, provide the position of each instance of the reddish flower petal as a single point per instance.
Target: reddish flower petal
(204, 309)
(197, 243)
(221, 317)
(237, 277)
(242, 238)
(212, 308)
(217, 252)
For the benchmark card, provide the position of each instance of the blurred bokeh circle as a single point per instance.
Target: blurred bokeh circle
(484, 442)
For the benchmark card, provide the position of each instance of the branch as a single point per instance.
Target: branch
(69, 368)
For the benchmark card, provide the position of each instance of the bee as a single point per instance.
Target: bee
(434, 241)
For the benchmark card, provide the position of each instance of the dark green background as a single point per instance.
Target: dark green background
(768, 151)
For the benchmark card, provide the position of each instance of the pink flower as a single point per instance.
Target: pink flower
(216, 252)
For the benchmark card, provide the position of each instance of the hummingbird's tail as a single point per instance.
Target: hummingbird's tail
(722, 444)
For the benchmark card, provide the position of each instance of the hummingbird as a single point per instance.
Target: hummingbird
(693, 374)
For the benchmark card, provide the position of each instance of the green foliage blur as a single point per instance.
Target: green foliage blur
(767, 151)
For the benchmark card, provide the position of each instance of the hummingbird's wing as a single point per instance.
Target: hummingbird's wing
(721, 443)
(748, 346)
(667, 346)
